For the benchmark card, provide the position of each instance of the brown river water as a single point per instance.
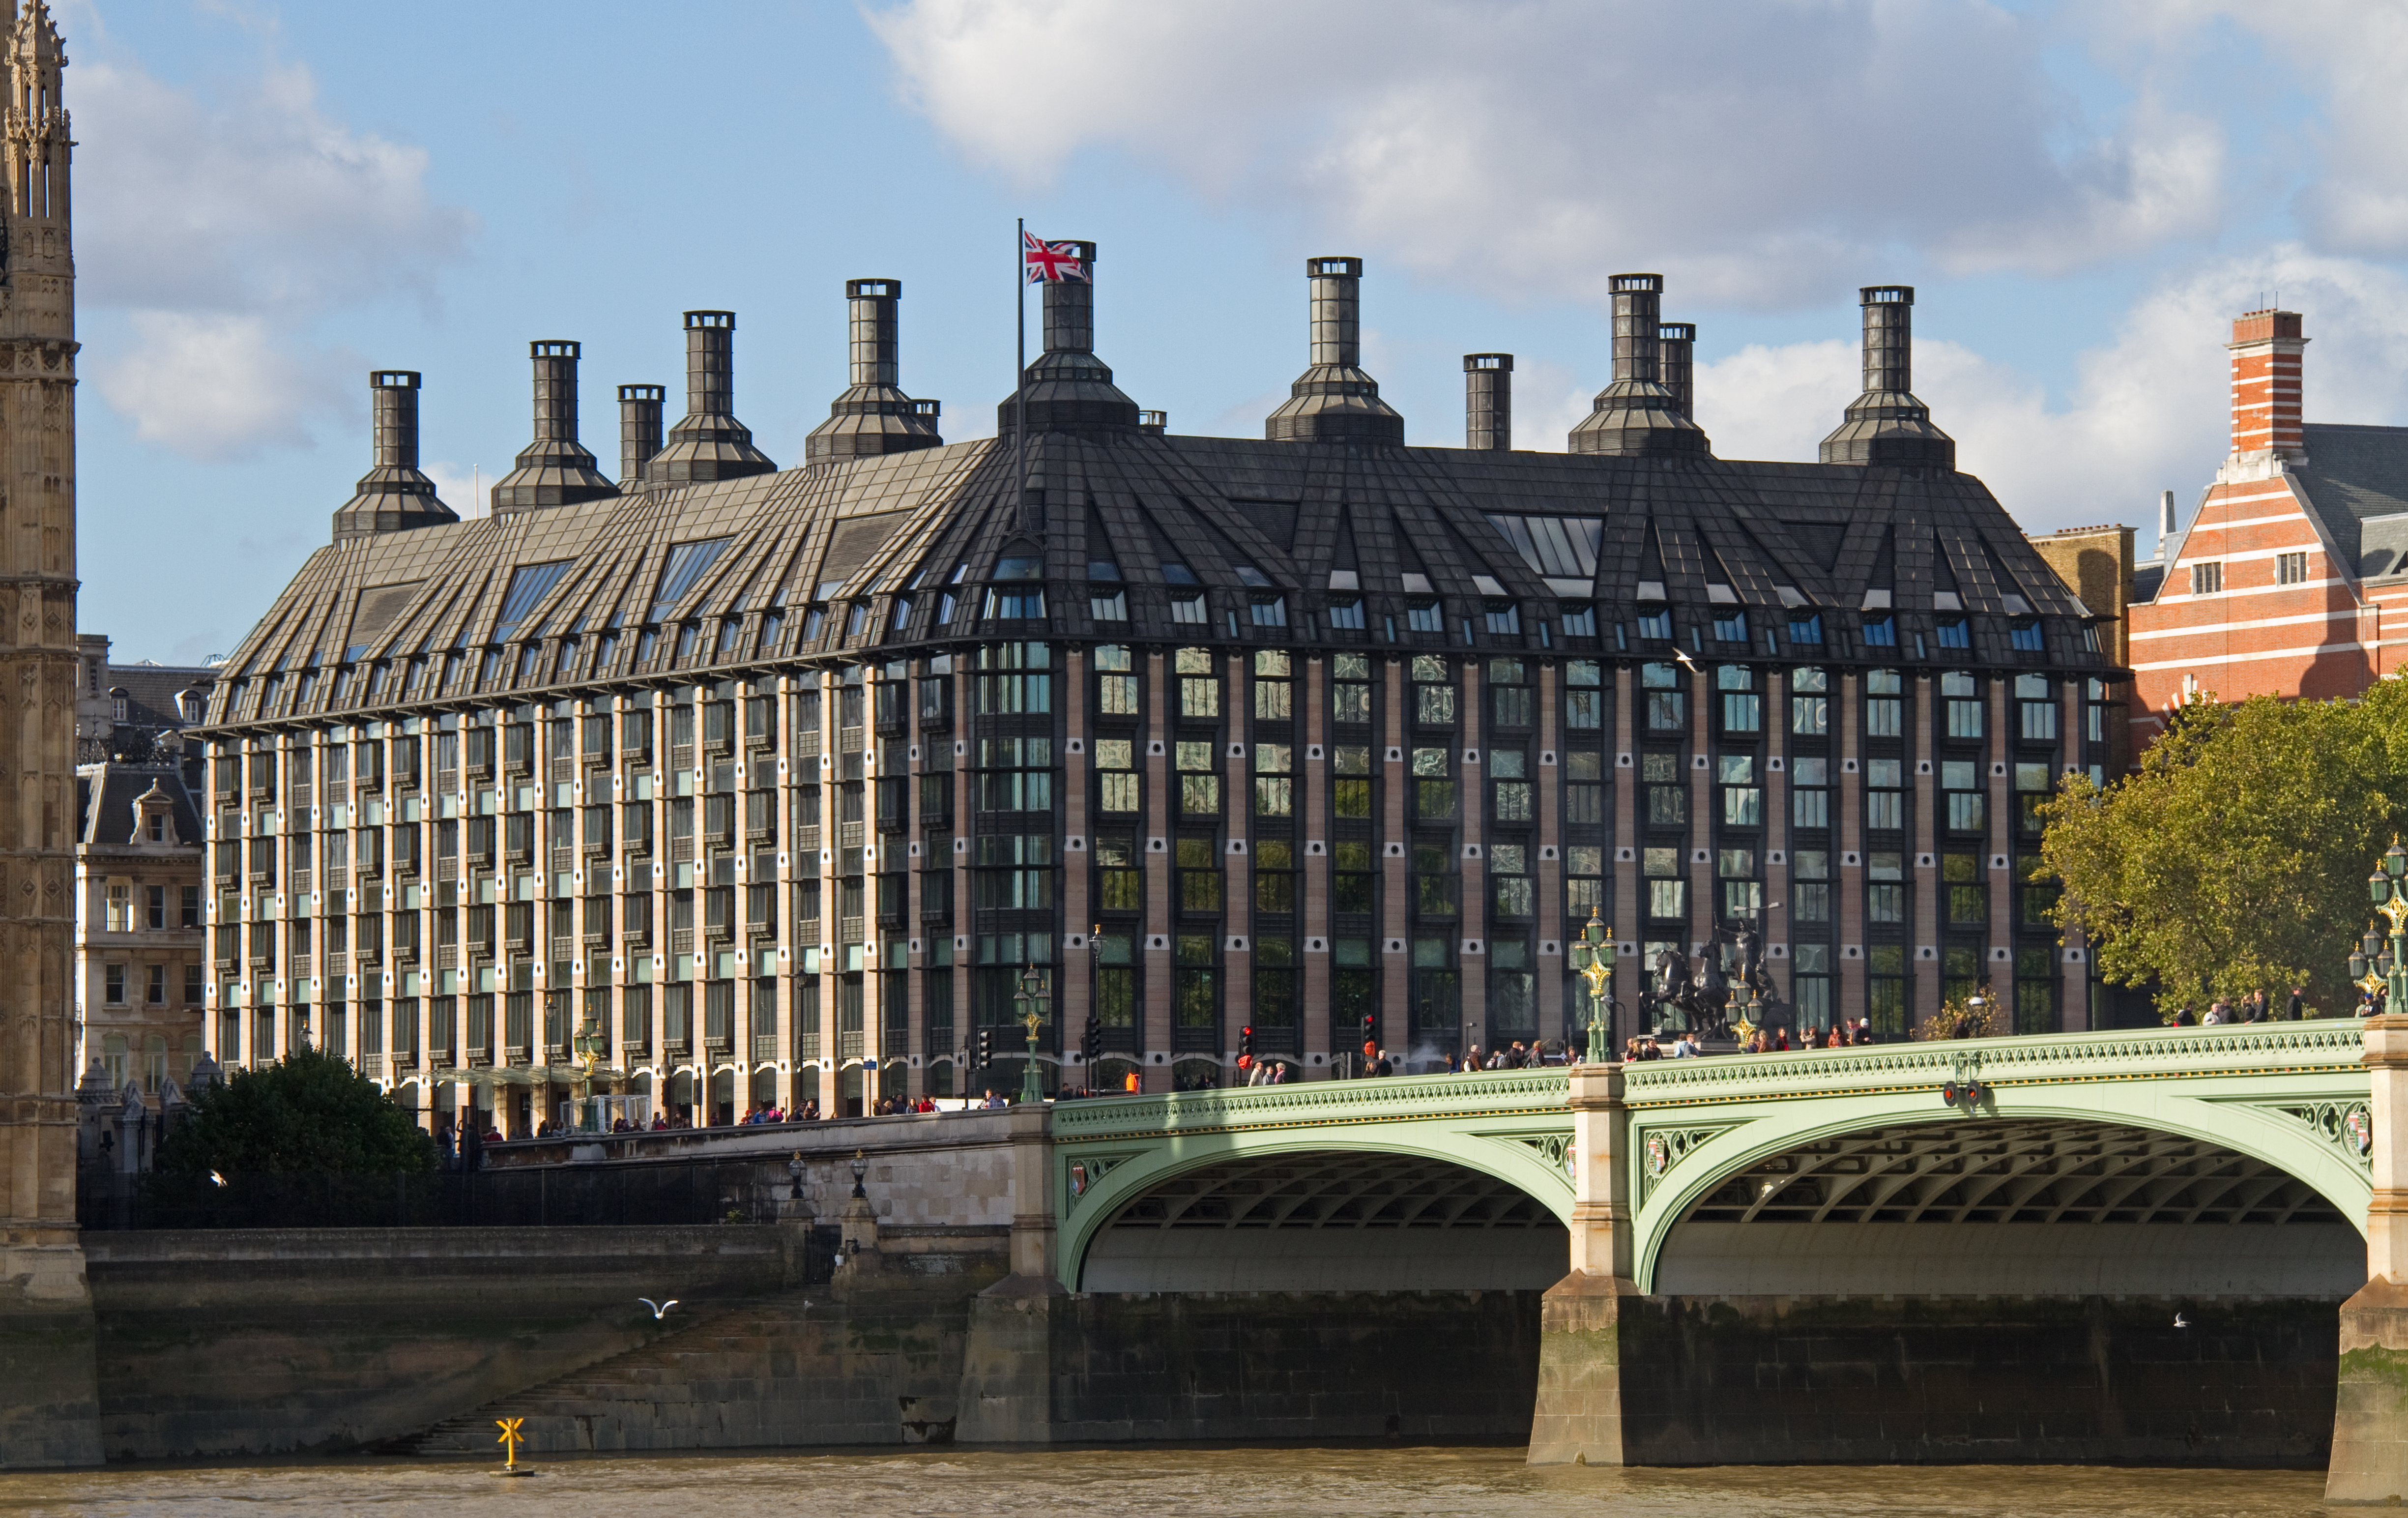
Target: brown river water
(1155, 1482)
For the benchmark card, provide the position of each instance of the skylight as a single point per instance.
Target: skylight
(686, 565)
(529, 584)
(1559, 546)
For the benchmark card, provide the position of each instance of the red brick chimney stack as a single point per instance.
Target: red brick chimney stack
(2265, 349)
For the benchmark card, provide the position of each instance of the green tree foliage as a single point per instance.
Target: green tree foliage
(307, 1113)
(2237, 858)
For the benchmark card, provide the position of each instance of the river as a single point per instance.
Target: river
(1155, 1482)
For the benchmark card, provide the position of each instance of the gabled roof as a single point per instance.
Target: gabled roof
(105, 799)
(2355, 479)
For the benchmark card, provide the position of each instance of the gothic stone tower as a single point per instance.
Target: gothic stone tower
(48, 1391)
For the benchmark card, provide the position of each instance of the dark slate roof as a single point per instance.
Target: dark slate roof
(1243, 516)
(150, 691)
(2356, 479)
(105, 798)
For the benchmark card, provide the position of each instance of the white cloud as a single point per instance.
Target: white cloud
(225, 230)
(216, 385)
(2147, 412)
(1760, 152)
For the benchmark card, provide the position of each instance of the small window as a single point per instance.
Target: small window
(1187, 609)
(1731, 627)
(1504, 617)
(1271, 611)
(1806, 628)
(1421, 617)
(1108, 605)
(2290, 568)
(1347, 614)
(2025, 635)
(1579, 620)
(2207, 578)
(1656, 626)
(1955, 634)
(1881, 632)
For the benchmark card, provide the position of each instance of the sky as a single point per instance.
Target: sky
(273, 198)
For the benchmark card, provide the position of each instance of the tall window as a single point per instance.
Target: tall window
(1810, 702)
(1667, 704)
(1115, 682)
(1668, 793)
(2033, 784)
(1116, 982)
(1433, 784)
(1584, 696)
(1509, 771)
(1742, 709)
(1199, 875)
(1197, 997)
(1120, 876)
(1584, 881)
(1275, 992)
(1117, 787)
(1885, 794)
(1200, 684)
(1583, 788)
(1884, 703)
(1508, 875)
(1351, 875)
(1350, 789)
(1742, 894)
(1199, 783)
(1885, 887)
(1433, 691)
(1015, 774)
(1354, 990)
(1273, 695)
(1809, 801)
(1350, 690)
(1960, 781)
(1433, 880)
(1810, 885)
(1968, 898)
(1961, 697)
(1509, 697)
(1668, 894)
(1274, 875)
(1004, 689)
(2035, 712)
(1513, 1002)
(1885, 987)
(1742, 797)
(1811, 983)
(1274, 780)
(1016, 871)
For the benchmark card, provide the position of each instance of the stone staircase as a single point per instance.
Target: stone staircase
(806, 1368)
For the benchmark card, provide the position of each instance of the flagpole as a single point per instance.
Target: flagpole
(1020, 375)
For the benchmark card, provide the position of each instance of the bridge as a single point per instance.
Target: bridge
(1731, 1247)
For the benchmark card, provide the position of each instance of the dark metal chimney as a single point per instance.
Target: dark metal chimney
(556, 470)
(709, 443)
(1887, 424)
(1068, 388)
(392, 495)
(1675, 341)
(1637, 416)
(639, 430)
(1335, 401)
(1488, 401)
(873, 416)
(1156, 423)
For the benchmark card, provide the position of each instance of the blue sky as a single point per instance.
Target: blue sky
(272, 198)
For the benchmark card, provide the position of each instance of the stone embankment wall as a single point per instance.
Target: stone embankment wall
(258, 1342)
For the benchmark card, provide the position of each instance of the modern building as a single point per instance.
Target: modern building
(2291, 577)
(775, 781)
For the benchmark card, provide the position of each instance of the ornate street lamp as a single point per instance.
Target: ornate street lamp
(2382, 967)
(590, 1045)
(1032, 996)
(1593, 960)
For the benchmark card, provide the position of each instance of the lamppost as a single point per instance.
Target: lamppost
(1032, 994)
(1592, 959)
(2377, 968)
(589, 1044)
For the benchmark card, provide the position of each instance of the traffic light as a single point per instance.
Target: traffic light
(1370, 1028)
(1245, 1048)
(1091, 1048)
(984, 1058)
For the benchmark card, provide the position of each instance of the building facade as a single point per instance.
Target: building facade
(2290, 577)
(777, 782)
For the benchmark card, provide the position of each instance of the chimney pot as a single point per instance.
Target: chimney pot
(1488, 401)
(709, 443)
(1335, 401)
(1637, 416)
(556, 470)
(1156, 423)
(1887, 424)
(393, 494)
(1675, 344)
(639, 430)
(1066, 388)
(873, 416)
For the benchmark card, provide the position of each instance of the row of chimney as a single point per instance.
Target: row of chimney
(1646, 412)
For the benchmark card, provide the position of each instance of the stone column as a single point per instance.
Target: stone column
(1577, 1420)
(2369, 1445)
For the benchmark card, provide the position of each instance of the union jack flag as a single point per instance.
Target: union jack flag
(1050, 263)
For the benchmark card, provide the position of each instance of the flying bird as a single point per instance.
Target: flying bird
(660, 1309)
(216, 1179)
(2181, 1322)
(1686, 663)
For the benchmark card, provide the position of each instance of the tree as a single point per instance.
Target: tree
(307, 1113)
(2237, 858)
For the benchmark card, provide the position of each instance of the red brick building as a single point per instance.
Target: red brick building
(2290, 579)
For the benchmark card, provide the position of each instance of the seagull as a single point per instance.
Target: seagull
(2181, 1322)
(660, 1309)
(216, 1179)
(1685, 662)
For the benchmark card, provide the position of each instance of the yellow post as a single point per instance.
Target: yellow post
(511, 1436)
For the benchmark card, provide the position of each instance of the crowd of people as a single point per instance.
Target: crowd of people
(2255, 1007)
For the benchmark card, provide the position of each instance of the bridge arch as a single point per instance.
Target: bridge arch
(2120, 1160)
(1318, 1208)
